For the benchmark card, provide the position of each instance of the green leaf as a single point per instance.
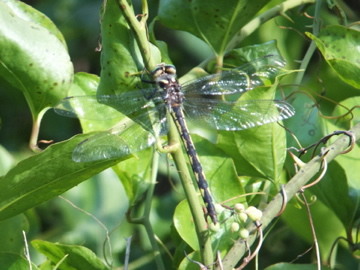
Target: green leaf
(342, 109)
(239, 56)
(44, 176)
(333, 191)
(292, 266)
(184, 224)
(348, 162)
(11, 234)
(11, 261)
(340, 48)
(194, 16)
(74, 257)
(33, 57)
(28, 13)
(186, 264)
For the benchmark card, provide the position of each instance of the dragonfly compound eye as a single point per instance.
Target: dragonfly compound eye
(157, 72)
(170, 69)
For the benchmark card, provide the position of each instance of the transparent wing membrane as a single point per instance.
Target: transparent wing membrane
(127, 137)
(202, 105)
(237, 80)
(106, 106)
(238, 115)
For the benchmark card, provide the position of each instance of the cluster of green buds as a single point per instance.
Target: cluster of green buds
(241, 218)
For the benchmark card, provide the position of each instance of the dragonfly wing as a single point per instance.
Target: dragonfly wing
(127, 137)
(237, 115)
(238, 80)
(104, 106)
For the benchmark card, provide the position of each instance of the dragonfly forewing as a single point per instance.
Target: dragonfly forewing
(237, 115)
(126, 138)
(105, 106)
(237, 80)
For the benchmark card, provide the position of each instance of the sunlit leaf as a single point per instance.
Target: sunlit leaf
(44, 176)
(74, 257)
(340, 48)
(333, 191)
(33, 59)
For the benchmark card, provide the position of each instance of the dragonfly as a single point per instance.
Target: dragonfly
(211, 102)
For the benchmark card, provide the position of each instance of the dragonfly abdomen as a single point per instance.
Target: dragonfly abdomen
(178, 117)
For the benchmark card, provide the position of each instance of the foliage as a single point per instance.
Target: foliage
(244, 168)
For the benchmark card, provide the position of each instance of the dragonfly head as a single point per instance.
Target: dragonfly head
(164, 74)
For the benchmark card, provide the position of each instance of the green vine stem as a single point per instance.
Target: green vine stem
(201, 226)
(306, 173)
(139, 30)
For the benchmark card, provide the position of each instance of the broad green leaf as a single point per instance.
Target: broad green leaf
(11, 235)
(350, 117)
(44, 176)
(186, 264)
(11, 261)
(28, 13)
(293, 266)
(239, 56)
(194, 17)
(84, 84)
(184, 224)
(350, 161)
(340, 48)
(333, 191)
(33, 57)
(74, 257)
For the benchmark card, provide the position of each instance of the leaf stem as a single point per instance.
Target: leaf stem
(33, 143)
(139, 28)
